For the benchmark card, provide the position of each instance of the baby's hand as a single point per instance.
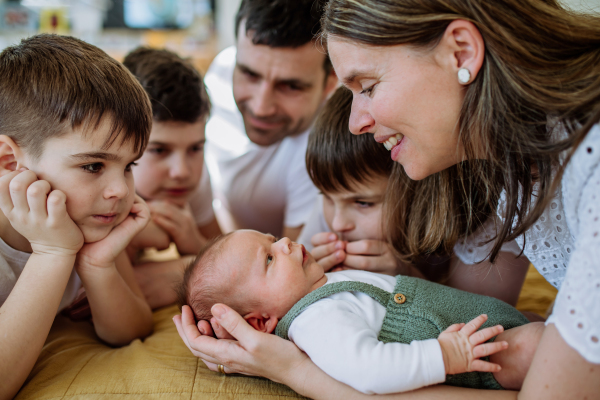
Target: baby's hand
(102, 254)
(328, 251)
(462, 346)
(39, 214)
(179, 223)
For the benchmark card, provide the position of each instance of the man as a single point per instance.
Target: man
(266, 93)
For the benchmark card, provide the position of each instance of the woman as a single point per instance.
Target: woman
(514, 83)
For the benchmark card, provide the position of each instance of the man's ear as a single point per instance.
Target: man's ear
(461, 46)
(10, 154)
(261, 322)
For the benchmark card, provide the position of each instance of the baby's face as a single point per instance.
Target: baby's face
(356, 215)
(273, 274)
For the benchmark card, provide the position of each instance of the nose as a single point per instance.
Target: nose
(117, 188)
(284, 245)
(361, 120)
(180, 168)
(341, 223)
(262, 103)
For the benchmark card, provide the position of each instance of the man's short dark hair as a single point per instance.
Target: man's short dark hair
(50, 84)
(175, 87)
(336, 159)
(281, 23)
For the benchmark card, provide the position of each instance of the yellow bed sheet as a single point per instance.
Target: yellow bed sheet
(75, 365)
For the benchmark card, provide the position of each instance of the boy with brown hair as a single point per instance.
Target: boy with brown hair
(171, 175)
(72, 123)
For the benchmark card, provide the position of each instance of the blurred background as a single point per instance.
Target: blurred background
(197, 29)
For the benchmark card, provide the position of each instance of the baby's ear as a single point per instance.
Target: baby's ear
(9, 152)
(262, 323)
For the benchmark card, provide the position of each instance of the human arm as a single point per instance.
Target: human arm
(39, 214)
(211, 229)
(157, 280)
(118, 307)
(266, 355)
(151, 236)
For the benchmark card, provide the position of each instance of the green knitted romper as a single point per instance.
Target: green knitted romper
(420, 310)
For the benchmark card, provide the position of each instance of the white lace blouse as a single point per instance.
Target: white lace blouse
(564, 246)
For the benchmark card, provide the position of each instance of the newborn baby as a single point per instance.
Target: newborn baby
(374, 332)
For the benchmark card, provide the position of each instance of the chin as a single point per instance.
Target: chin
(92, 235)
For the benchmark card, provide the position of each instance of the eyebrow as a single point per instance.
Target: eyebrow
(291, 82)
(348, 80)
(96, 155)
(157, 142)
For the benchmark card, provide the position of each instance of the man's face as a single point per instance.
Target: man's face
(97, 181)
(278, 90)
(171, 166)
(356, 215)
(274, 274)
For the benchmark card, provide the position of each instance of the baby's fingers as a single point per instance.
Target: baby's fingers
(485, 366)
(485, 334)
(487, 349)
(473, 325)
(455, 327)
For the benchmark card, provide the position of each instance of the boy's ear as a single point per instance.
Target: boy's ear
(10, 152)
(261, 322)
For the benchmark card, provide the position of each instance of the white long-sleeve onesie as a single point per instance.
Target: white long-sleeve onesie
(339, 334)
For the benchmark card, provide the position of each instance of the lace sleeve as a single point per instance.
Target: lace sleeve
(474, 249)
(576, 311)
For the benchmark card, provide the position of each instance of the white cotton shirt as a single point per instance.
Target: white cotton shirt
(339, 334)
(564, 246)
(12, 263)
(263, 187)
(315, 224)
(202, 199)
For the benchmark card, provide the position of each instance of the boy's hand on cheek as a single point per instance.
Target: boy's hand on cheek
(328, 251)
(179, 223)
(371, 255)
(39, 214)
(102, 253)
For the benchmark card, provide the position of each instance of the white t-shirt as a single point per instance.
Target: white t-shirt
(12, 263)
(201, 200)
(339, 334)
(263, 187)
(315, 224)
(564, 246)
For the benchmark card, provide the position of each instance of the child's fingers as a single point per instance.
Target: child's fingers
(366, 247)
(6, 203)
(321, 238)
(37, 197)
(18, 190)
(168, 225)
(57, 206)
(487, 349)
(485, 334)
(484, 366)
(332, 260)
(473, 325)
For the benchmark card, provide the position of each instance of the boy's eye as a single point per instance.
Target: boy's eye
(269, 259)
(92, 168)
(157, 150)
(197, 148)
(128, 167)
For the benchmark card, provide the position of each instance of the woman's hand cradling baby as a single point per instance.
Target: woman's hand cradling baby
(253, 353)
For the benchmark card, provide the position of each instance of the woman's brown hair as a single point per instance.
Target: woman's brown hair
(541, 71)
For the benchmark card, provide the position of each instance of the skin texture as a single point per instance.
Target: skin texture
(50, 207)
(557, 371)
(278, 90)
(166, 176)
(356, 237)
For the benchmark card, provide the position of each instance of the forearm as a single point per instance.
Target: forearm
(120, 315)
(157, 280)
(27, 315)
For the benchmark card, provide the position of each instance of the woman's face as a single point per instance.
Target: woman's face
(404, 95)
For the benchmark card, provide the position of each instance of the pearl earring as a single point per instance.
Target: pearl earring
(464, 76)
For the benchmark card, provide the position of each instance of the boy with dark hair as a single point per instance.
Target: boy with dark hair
(345, 229)
(72, 123)
(266, 93)
(170, 174)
